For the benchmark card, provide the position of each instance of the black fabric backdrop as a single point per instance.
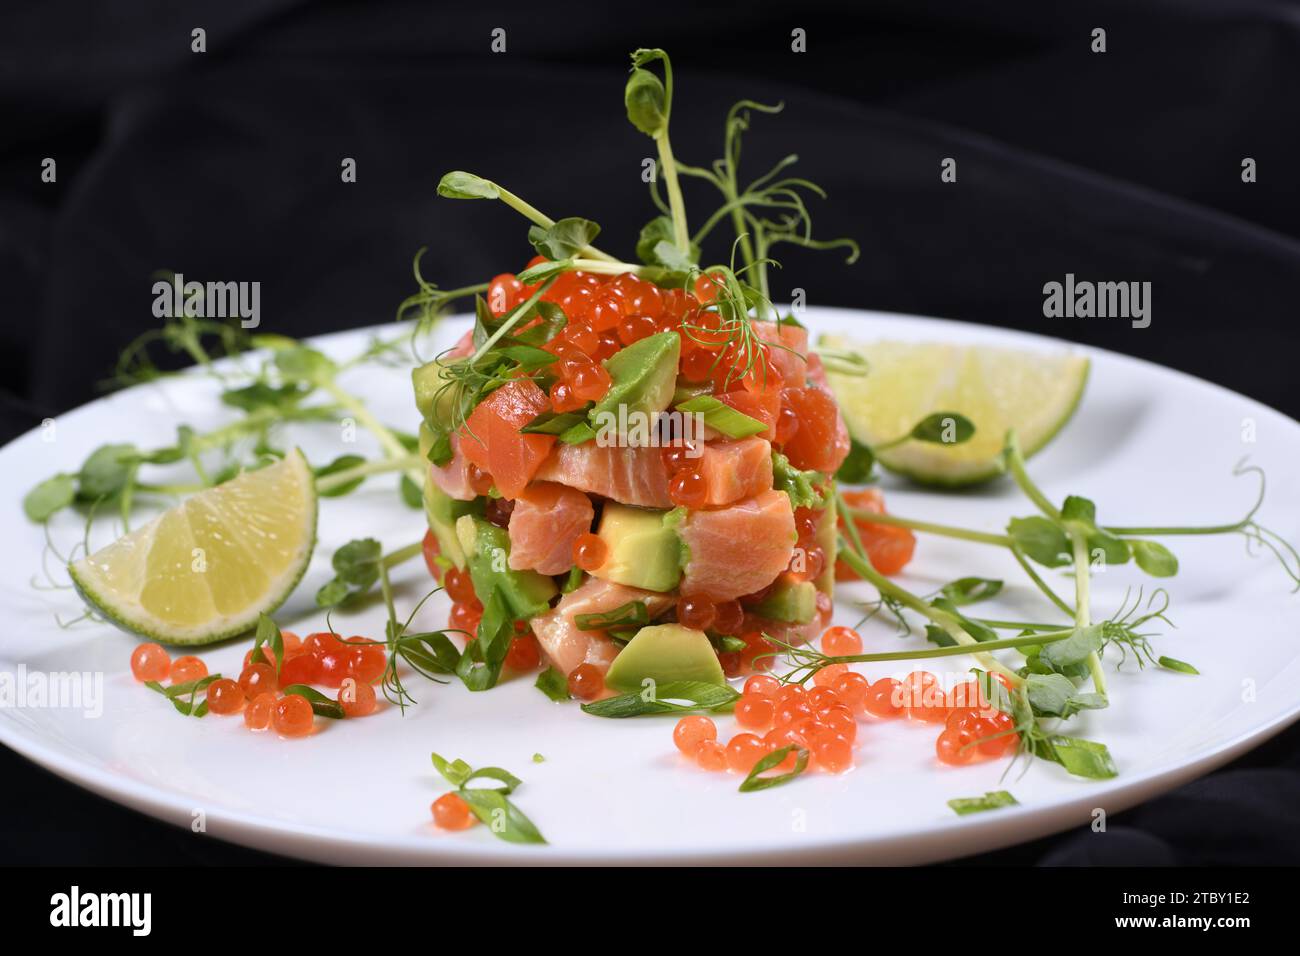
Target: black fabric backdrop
(1122, 166)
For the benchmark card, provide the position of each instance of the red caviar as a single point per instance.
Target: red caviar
(450, 812)
(225, 696)
(259, 712)
(586, 682)
(150, 662)
(188, 668)
(692, 731)
(292, 716)
(357, 699)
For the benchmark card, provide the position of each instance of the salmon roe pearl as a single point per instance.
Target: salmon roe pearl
(711, 755)
(150, 662)
(367, 663)
(745, 750)
(841, 642)
(524, 654)
(821, 698)
(883, 698)
(688, 489)
(755, 712)
(303, 669)
(696, 612)
(292, 716)
(833, 752)
(589, 551)
(692, 731)
(586, 682)
(852, 688)
(829, 674)
(450, 812)
(322, 641)
(258, 679)
(458, 585)
(790, 711)
(357, 699)
(258, 713)
(225, 696)
(951, 748)
(760, 685)
(186, 669)
(728, 617)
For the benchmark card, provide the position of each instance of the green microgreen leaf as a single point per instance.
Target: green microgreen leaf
(857, 465)
(565, 238)
(646, 102)
(970, 590)
(356, 570)
(412, 494)
(303, 364)
(553, 684)
(1054, 695)
(755, 780)
(462, 185)
(49, 497)
(993, 800)
(107, 471)
(649, 250)
(261, 395)
(944, 428)
(1074, 650)
(1083, 758)
(1154, 558)
(1042, 540)
(341, 463)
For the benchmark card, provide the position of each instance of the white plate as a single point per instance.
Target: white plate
(1149, 445)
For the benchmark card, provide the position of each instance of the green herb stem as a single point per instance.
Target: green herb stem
(1016, 464)
(929, 527)
(340, 478)
(950, 624)
(509, 322)
(533, 214)
(1082, 613)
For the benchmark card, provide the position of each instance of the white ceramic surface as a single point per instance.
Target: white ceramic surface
(1149, 445)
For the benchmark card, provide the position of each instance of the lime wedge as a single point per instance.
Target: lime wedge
(996, 388)
(204, 570)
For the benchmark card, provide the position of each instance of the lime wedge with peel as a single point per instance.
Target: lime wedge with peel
(203, 571)
(1035, 393)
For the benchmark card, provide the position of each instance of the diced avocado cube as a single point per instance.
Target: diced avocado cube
(642, 548)
(643, 377)
(794, 602)
(432, 398)
(664, 653)
(442, 512)
(487, 552)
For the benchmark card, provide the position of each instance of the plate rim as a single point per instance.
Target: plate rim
(1009, 826)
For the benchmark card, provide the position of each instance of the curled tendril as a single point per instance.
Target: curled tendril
(1122, 628)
